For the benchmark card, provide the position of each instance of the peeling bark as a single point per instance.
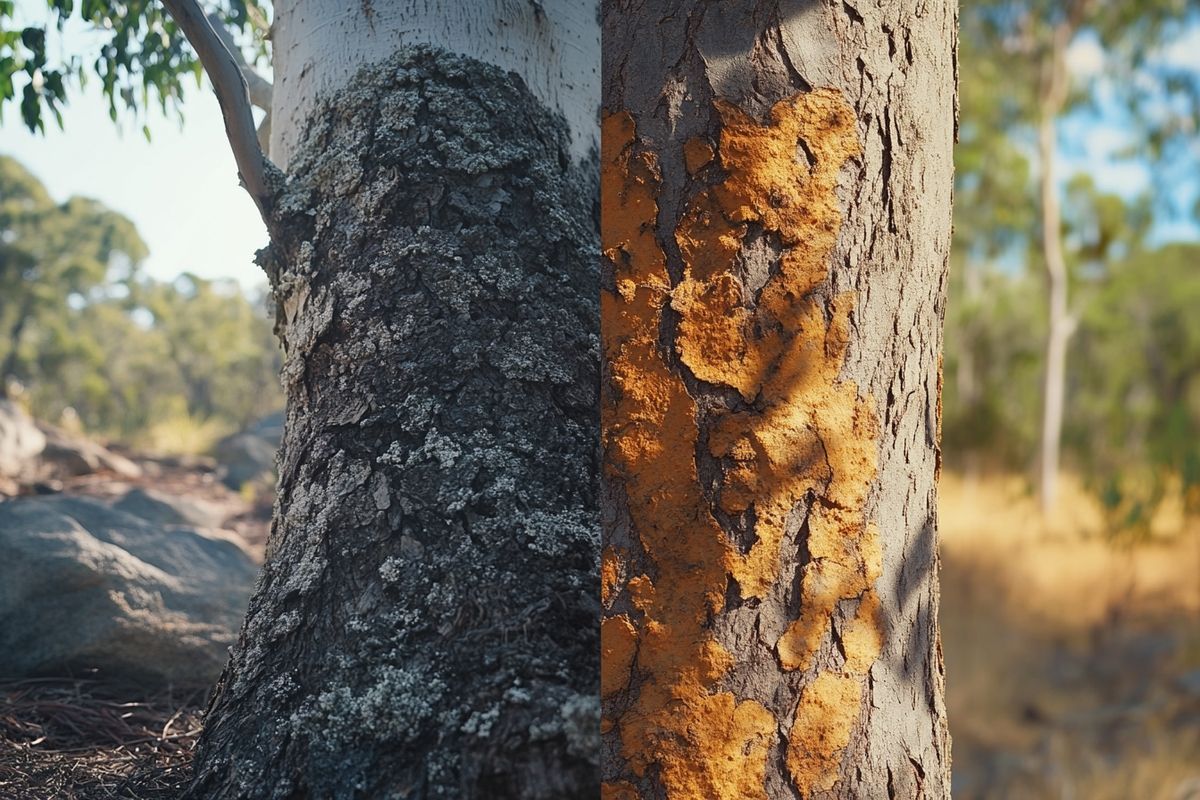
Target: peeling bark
(425, 624)
(776, 185)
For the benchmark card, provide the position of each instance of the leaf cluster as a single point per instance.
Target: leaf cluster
(132, 47)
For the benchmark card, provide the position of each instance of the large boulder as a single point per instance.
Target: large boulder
(249, 455)
(170, 509)
(84, 585)
(67, 456)
(20, 440)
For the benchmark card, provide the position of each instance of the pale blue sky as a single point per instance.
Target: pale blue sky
(181, 189)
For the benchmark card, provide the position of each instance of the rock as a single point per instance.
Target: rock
(249, 456)
(83, 585)
(167, 509)
(192, 463)
(66, 456)
(269, 427)
(1189, 683)
(20, 440)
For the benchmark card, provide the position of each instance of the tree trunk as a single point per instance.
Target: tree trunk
(1059, 330)
(968, 383)
(1054, 91)
(1052, 97)
(425, 623)
(776, 182)
(9, 368)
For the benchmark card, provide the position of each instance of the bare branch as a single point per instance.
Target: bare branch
(260, 88)
(232, 94)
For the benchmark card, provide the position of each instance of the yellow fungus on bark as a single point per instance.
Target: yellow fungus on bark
(825, 719)
(809, 436)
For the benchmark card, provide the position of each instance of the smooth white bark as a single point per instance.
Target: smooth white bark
(554, 45)
(1053, 97)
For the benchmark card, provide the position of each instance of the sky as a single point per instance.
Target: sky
(1090, 139)
(181, 188)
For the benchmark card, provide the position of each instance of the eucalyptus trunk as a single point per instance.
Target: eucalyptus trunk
(1060, 326)
(425, 622)
(776, 190)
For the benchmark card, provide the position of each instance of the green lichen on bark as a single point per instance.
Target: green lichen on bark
(434, 553)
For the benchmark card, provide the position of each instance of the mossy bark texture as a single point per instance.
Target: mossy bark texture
(775, 225)
(425, 623)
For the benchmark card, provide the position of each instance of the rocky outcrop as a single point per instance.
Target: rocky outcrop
(168, 509)
(67, 456)
(84, 586)
(249, 455)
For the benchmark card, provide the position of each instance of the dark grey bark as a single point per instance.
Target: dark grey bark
(860, 715)
(425, 624)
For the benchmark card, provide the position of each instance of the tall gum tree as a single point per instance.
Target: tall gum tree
(425, 622)
(1030, 43)
(776, 191)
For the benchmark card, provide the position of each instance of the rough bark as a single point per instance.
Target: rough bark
(776, 181)
(425, 624)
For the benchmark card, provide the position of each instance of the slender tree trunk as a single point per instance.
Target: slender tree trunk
(425, 624)
(776, 181)
(9, 367)
(1059, 330)
(1053, 96)
(966, 376)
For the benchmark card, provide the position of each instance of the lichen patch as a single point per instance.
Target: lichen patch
(805, 438)
(824, 721)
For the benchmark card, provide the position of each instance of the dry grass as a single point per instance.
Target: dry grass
(72, 739)
(1069, 659)
(182, 435)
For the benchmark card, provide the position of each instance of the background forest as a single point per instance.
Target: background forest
(1071, 530)
(92, 343)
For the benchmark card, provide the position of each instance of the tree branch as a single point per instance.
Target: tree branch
(260, 88)
(232, 93)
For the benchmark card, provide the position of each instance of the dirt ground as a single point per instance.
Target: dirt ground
(1073, 665)
(79, 739)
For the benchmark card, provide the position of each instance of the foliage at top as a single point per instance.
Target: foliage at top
(136, 52)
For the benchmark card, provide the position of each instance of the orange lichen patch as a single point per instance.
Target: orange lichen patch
(810, 436)
(629, 209)
(704, 742)
(697, 154)
(707, 240)
(713, 320)
(612, 564)
(618, 645)
(825, 718)
(618, 791)
(862, 637)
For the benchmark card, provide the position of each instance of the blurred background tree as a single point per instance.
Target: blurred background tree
(1035, 74)
(90, 341)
